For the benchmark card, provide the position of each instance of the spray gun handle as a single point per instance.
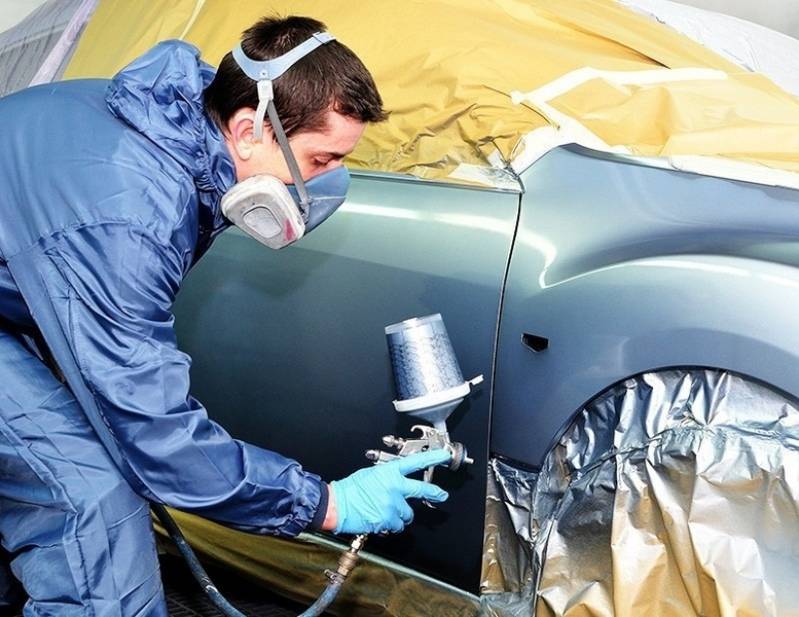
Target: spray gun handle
(429, 439)
(459, 458)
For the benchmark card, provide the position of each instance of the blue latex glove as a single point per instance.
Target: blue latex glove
(372, 500)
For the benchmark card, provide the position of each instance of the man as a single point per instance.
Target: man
(111, 192)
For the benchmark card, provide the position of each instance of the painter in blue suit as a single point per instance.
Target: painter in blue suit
(111, 191)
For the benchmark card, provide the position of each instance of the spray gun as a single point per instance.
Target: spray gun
(429, 385)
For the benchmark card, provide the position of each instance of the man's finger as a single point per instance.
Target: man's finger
(422, 460)
(423, 490)
(406, 513)
(393, 525)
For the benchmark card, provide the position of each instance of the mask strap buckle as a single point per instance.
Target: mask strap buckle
(266, 94)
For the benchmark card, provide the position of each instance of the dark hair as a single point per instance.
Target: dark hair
(331, 76)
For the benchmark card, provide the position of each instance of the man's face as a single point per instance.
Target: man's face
(316, 151)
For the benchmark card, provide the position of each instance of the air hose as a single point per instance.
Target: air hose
(335, 578)
(197, 570)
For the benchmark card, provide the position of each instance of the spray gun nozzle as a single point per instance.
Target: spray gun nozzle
(393, 442)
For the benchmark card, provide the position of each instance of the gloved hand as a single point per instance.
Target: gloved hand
(372, 500)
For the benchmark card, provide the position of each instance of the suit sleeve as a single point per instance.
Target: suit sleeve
(117, 285)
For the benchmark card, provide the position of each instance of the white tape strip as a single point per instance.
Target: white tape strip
(564, 129)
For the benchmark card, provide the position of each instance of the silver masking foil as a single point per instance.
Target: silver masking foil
(671, 494)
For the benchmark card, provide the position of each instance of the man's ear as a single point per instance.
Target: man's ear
(240, 132)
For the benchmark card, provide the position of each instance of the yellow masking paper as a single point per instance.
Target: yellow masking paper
(446, 68)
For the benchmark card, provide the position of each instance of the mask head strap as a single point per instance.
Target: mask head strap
(264, 72)
(259, 70)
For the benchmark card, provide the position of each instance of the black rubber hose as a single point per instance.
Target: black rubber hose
(197, 570)
(207, 585)
(325, 600)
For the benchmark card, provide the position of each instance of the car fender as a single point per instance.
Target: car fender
(684, 271)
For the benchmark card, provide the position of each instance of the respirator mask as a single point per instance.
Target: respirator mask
(263, 206)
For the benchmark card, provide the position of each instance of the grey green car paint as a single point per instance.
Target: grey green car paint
(624, 268)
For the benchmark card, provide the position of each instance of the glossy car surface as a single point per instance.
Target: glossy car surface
(616, 267)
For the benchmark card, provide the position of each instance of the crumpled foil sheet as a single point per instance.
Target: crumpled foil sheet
(506, 558)
(673, 493)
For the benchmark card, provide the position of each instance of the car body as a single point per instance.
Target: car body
(622, 268)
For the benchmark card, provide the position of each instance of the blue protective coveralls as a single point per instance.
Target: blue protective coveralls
(110, 193)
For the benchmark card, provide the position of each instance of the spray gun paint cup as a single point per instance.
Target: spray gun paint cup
(427, 375)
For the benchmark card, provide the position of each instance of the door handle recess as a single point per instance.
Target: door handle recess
(534, 343)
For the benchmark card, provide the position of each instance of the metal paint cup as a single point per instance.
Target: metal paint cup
(422, 357)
